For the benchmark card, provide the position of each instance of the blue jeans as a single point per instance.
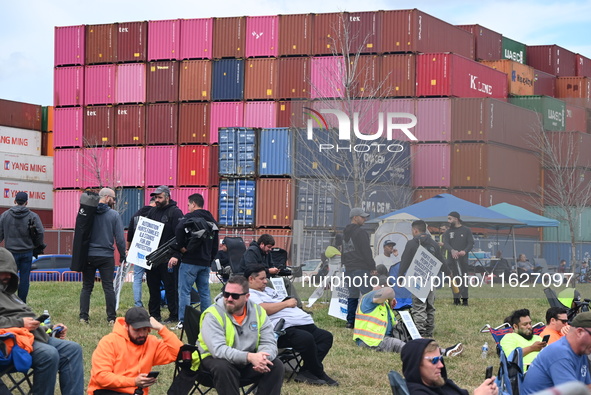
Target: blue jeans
(23, 263)
(57, 355)
(352, 278)
(138, 276)
(189, 274)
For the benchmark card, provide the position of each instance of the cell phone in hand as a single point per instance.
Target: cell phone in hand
(42, 317)
(489, 372)
(287, 298)
(153, 374)
(546, 338)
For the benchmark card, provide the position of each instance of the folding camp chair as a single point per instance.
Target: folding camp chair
(236, 249)
(397, 383)
(510, 376)
(501, 330)
(288, 356)
(569, 299)
(15, 365)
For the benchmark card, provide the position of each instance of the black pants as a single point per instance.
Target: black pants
(106, 268)
(153, 278)
(311, 342)
(459, 267)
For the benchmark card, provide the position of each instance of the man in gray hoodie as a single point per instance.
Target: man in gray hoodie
(107, 226)
(14, 227)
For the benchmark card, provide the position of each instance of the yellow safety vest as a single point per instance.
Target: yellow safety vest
(228, 329)
(371, 328)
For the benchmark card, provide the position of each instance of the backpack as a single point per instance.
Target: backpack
(198, 230)
(38, 246)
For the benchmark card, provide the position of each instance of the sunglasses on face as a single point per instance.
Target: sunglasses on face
(233, 295)
(435, 360)
(563, 321)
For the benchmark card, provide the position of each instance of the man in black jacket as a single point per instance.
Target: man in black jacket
(259, 253)
(458, 241)
(195, 261)
(358, 261)
(166, 212)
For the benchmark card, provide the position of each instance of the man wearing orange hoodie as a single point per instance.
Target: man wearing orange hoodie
(123, 358)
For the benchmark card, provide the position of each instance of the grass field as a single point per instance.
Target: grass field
(359, 371)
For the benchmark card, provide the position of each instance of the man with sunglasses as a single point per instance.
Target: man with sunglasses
(425, 373)
(564, 360)
(556, 324)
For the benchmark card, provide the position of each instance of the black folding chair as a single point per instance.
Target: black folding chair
(236, 250)
(397, 383)
(288, 356)
(575, 307)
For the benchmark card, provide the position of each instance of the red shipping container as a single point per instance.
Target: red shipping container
(173, 195)
(576, 88)
(196, 38)
(99, 126)
(544, 84)
(294, 78)
(416, 31)
(274, 202)
(582, 66)
(69, 45)
(229, 37)
(101, 43)
(130, 125)
(99, 84)
(197, 165)
(488, 44)
(162, 82)
(364, 30)
(454, 75)
(282, 238)
(131, 83)
(132, 40)
(194, 123)
(260, 114)
(398, 74)
(64, 210)
(68, 127)
(576, 119)
(161, 123)
(161, 166)
(327, 77)
(67, 168)
(422, 194)
(225, 115)
(260, 79)
(68, 83)
(552, 59)
(164, 39)
(213, 203)
(365, 72)
(98, 167)
(393, 105)
(181, 197)
(23, 115)
(571, 149)
(295, 34)
(195, 80)
(292, 114)
(431, 165)
(262, 36)
(327, 33)
(130, 166)
(433, 120)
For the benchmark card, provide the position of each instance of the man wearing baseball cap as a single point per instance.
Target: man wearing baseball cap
(458, 241)
(123, 358)
(388, 256)
(564, 360)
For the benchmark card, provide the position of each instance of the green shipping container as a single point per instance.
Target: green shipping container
(582, 227)
(44, 115)
(552, 110)
(514, 50)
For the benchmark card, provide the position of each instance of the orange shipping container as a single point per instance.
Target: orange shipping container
(274, 202)
(282, 237)
(574, 87)
(194, 123)
(195, 80)
(519, 76)
(260, 79)
(229, 37)
(295, 34)
(47, 144)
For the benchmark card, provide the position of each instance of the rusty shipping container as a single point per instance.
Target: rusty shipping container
(583, 66)
(130, 125)
(291, 114)
(101, 43)
(366, 71)
(274, 202)
(544, 84)
(260, 79)
(364, 30)
(482, 165)
(194, 123)
(20, 115)
(487, 43)
(295, 34)
(293, 78)
(132, 39)
(576, 88)
(162, 82)
(416, 31)
(195, 80)
(99, 126)
(327, 33)
(161, 123)
(520, 77)
(552, 59)
(229, 37)
(398, 73)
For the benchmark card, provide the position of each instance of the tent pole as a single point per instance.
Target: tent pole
(514, 250)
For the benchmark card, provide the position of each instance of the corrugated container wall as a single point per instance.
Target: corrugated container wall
(20, 141)
(130, 165)
(101, 43)
(246, 151)
(576, 119)
(68, 127)
(68, 86)
(20, 167)
(453, 75)
(47, 144)
(132, 42)
(431, 165)
(327, 77)
(551, 59)
(276, 152)
(131, 83)
(99, 84)
(162, 82)
(583, 66)
(487, 43)
(20, 115)
(315, 204)
(327, 32)
(195, 80)
(544, 84)
(67, 168)
(295, 34)
(262, 36)
(555, 183)
(520, 77)
(365, 72)
(570, 149)
(164, 39)
(575, 87)
(260, 79)
(292, 114)
(130, 125)
(162, 123)
(551, 110)
(69, 45)
(194, 123)
(181, 197)
(228, 79)
(161, 165)
(245, 202)
(229, 36)
(129, 201)
(63, 215)
(40, 193)
(489, 196)
(197, 165)
(196, 38)
(225, 115)
(364, 31)
(98, 167)
(294, 78)
(398, 75)
(274, 202)
(582, 230)
(261, 114)
(416, 31)
(99, 126)
(433, 119)
(514, 50)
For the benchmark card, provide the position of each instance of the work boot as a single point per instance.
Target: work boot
(456, 301)
(464, 302)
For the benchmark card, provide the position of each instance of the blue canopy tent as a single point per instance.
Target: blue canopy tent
(527, 217)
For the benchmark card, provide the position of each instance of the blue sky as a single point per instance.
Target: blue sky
(27, 27)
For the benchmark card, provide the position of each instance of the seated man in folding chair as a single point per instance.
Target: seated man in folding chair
(522, 336)
(50, 354)
(311, 342)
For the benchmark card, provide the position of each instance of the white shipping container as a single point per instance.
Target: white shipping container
(40, 194)
(20, 141)
(26, 167)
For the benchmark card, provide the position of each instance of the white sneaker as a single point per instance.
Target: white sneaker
(178, 326)
(454, 350)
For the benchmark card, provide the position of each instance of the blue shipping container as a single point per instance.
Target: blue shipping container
(275, 152)
(247, 152)
(228, 79)
(312, 161)
(129, 201)
(237, 202)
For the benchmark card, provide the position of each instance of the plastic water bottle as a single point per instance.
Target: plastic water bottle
(484, 353)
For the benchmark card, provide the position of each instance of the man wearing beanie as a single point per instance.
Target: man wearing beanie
(458, 241)
(564, 360)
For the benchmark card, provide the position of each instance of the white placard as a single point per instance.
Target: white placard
(20, 141)
(279, 287)
(338, 302)
(319, 291)
(423, 268)
(40, 194)
(22, 167)
(145, 240)
(410, 324)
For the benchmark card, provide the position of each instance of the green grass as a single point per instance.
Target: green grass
(359, 371)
